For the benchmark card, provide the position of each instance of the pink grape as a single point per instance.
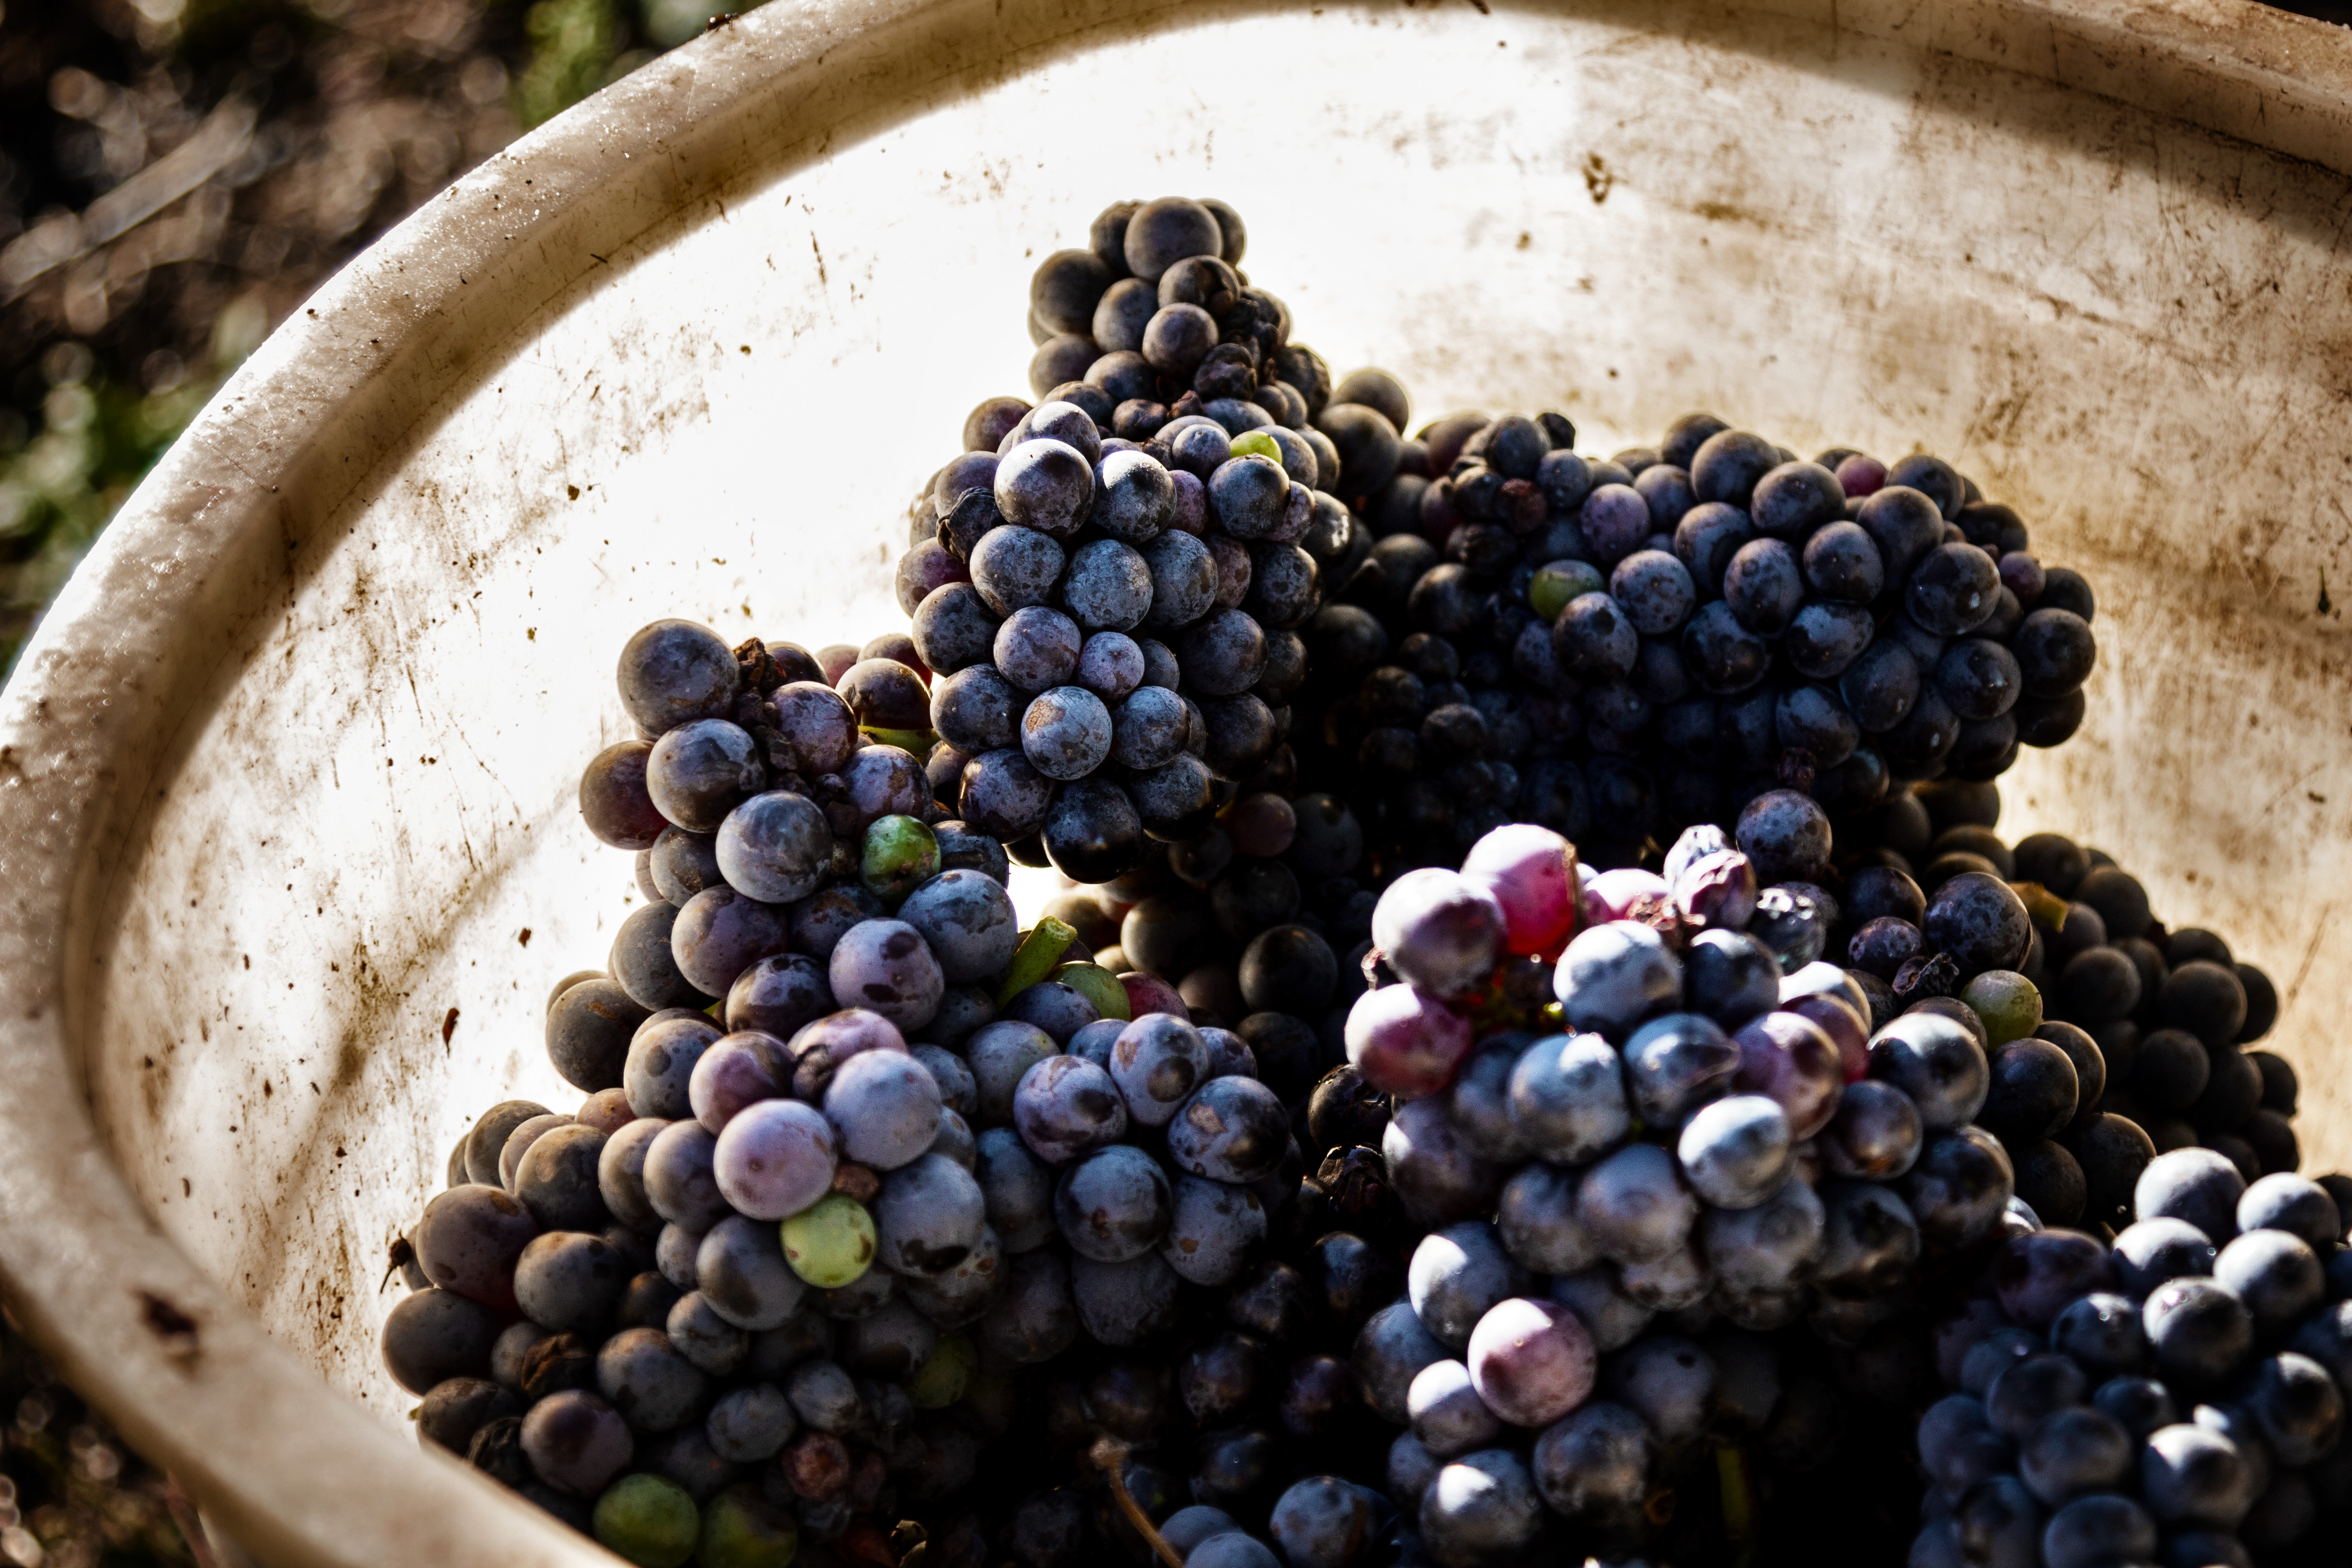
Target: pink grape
(1628, 893)
(1531, 872)
(1846, 1031)
(1149, 994)
(1717, 891)
(1791, 1059)
(1405, 1041)
(1531, 1361)
(774, 1159)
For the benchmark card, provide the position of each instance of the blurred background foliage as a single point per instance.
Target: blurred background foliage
(177, 175)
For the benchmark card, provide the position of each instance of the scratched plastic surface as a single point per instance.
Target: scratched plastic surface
(320, 942)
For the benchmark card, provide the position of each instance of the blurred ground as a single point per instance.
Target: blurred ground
(176, 175)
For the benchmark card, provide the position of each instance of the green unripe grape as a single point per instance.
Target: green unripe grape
(901, 854)
(649, 1520)
(740, 1529)
(1099, 986)
(1555, 584)
(2006, 1002)
(830, 1243)
(1256, 444)
(946, 1376)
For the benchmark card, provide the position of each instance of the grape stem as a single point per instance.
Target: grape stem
(1111, 1459)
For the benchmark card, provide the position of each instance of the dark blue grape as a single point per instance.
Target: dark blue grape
(1037, 647)
(1013, 567)
(720, 933)
(1763, 586)
(775, 848)
(699, 770)
(673, 672)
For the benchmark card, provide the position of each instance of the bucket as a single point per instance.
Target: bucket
(287, 775)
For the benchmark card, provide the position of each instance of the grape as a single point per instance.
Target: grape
(576, 1442)
(1390, 1350)
(891, 1343)
(1231, 1129)
(1536, 1219)
(1959, 1187)
(1212, 1227)
(1066, 1105)
(1441, 930)
(1480, 1508)
(469, 1240)
(1735, 1153)
(2190, 1477)
(1790, 1061)
(1936, 1063)
(2198, 1330)
(2193, 1184)
(2102, 1332)
(2039, 1275)
(680, 1183)
(1113, 1204)
(557, 1179)
(774, 1159)
(929, 1217)
(1612, 975)
(1437, 1174)
(735, 1071)
(1731, 976)
(1156, 1063)
(588, 1032)
(1449, 1419)
(673, 672)
(1056, 1006)
(648, 1379)
(740, 1269)
(2275, 1274)
(720, 933)
(1768, 1247)
(1016, 1188)
(1406, 1040)
(1456, 1274)
(1322, 1521)
(1124, 1303)
(1676, 1063)
(458, 1407)
(1595, 1463)
(433, 1335)
(820, 1049)
(1875, 1134)
(1568, 1103)
(831, 1243)
(613, 799)
(1998, 1521)
(885, 967)
(2032, 1091)
(661, 1062)
(1531, 1361)
(2288, 1202)
(966, 919)
(1635, 1205)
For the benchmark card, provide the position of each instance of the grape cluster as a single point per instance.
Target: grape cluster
(2175, 1395)
(1107, 583)
(1703, 1136)
(1617, 648)
(2152, 1022)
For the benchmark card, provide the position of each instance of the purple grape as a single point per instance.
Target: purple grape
(2147, 1254)
(2193, 1184)
(1568, 1103)
(1113, 1204)
(720, 933)
(1456, 1274)
(1213, 1226)
(2189, 1477)
(1448, 1416)
(1481, 1507)
(1390, 1350)
(884, 1107)
(662, 1060)
(999, 1056)
(967, 920)
(1960, 1188)
(1676, 1063)
(737, 1071)
(1441, 931)
(1124, 1303)
(557, 1179)
(1769, 1248)
(1613, 976)
(1437, 1174)
(698, 773)
(1232, 1130)
(1735, 1153)
(928, 1218)
(774, 1158)
(775, 848)
(1157, 1061)
(1406, 1041)
(576, 1442)
(2039, 1274)
(620, 1174)
(1065, 1106)
(1936, 1063)
(885, 967)
(779, 994)
(469, 1240)
(567, 1281)
(1634, 1204)
(679, 1181)
(1594, 1463)
(740, 1270)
